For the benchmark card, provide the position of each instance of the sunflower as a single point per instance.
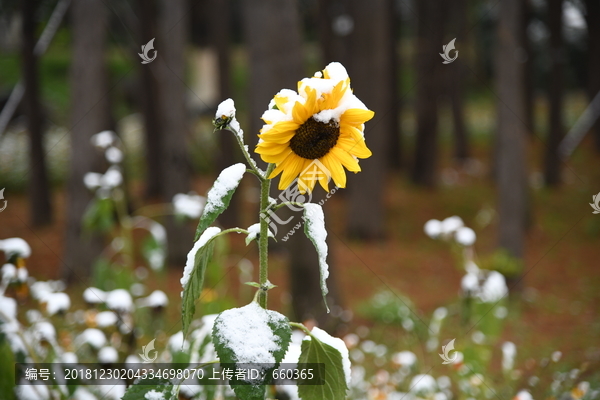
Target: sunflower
(323, 121)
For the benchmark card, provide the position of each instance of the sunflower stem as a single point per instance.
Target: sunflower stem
(260, 174)
(263, 238)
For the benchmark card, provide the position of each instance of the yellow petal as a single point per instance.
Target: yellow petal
(346, 159)
(270, 148)
(283, 126)
(356, 116)
(280, 102)
(276, 158)
(310, 106)
(293, 167)
(307, 179)
(299, 113)
(302, 185)
(280, 133)
(335, 169)
(280, 166)
(356, 148)
(347, 130)
(324, 181)
(331, 100)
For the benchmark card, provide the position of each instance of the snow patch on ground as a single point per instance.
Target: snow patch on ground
(119, 300)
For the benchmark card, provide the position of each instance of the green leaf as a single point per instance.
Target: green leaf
(251, 335)
(334, 388)
(219, 195)
(99, 215)
(7, 369)
(314, 228)
(138, 390)
(195, 267)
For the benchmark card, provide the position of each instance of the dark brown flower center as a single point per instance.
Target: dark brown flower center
(315, 139)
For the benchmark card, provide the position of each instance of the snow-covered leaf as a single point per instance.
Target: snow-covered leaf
(314, 228)
(320, 347)
(219, 195)
(151, 389)
(193, 274)
(248, 336)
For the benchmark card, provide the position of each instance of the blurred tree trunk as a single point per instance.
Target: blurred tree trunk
(395, 105)
(334, 25)
(90, 114)
(592, 18)
(39, 191)
(557, 57)
(372, 82)
(220, 38)
(428, 44)
(273, 36)
(456, 72)
(149, 102)
(511, 134)
(175, 165)
(528, 77)
(272, 33)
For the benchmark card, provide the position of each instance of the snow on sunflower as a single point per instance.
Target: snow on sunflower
(323, 121)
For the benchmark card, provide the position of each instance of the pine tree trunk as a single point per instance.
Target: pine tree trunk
(331, 16)
(528, 69)
(511, 135)
(272, 32)
(39, 191)
(150, 102)
(395, 159)
(372, 83)
(592, 17)
(175, 165)
(557, 57)
(90, 114)
(220, 34)
(456, 72)
(429, 64)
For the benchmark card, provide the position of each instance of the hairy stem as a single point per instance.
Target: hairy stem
(263, 239)
(249, 159)
(126, 227)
